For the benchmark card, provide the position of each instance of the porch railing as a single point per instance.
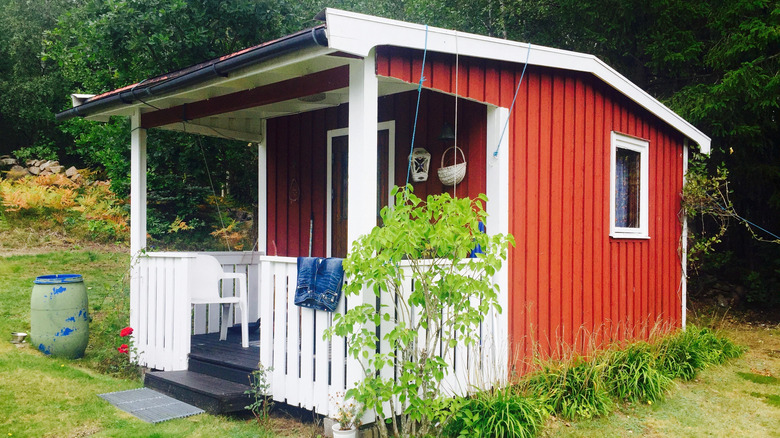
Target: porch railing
(161, 314)
(308, 370)
(160, 311)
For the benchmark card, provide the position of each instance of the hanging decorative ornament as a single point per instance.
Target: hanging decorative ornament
(452, 175)
(295, 190)
(421, 162)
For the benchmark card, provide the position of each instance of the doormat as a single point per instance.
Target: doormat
(149, 405)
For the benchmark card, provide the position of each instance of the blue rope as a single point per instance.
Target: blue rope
(512, 107)
(750, 223)
(417, 110)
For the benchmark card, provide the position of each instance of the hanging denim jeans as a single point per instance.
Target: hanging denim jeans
(307, 271)
(319, 283)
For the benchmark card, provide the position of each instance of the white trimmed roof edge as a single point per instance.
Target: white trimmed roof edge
(357, 34)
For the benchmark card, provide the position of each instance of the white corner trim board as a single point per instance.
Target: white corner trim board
(357, 34)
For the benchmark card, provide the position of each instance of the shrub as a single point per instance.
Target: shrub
(631, 374)
(686, 352)
(571, 390)
(259, 388)
(109, 334)
(90, 211)
(496, 413)
(451, 295)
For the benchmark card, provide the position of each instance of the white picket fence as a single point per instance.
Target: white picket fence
(160, 309)
(307, 370)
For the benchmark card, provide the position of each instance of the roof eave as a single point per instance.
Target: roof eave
(357, 34)
(138, 93)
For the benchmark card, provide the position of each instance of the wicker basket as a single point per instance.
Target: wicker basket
(451, 175)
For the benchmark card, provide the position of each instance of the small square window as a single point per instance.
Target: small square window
(629, 187)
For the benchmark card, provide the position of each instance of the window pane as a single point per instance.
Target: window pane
(627, 188)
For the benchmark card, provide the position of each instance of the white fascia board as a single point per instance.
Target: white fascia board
(357, 34)
(123, 109)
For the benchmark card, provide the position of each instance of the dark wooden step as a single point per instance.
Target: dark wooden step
(208, 347)
(231, 372)
(213, 395)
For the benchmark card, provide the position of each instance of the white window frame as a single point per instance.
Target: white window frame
(642, 146)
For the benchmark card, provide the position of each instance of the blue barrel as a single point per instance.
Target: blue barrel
(59, 322)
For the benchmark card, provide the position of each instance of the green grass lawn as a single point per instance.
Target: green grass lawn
(42, 396)
(45, 397)
(738, 399)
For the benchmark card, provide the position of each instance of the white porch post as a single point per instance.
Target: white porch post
(137, 210)
(498, 222)
(262, 190)
(362, 168)
(363, 113)
(137, 184)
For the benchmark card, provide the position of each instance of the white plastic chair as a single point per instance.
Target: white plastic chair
(205, 274)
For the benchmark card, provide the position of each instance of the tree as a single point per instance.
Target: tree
(31, 88)
(103, 45)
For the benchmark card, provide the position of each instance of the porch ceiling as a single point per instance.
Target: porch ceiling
(246, 123)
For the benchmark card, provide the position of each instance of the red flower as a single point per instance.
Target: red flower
(124, 349)
(127, 331)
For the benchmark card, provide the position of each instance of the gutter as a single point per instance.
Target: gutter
(314, 38)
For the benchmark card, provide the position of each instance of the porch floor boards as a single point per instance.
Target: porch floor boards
(209, 348)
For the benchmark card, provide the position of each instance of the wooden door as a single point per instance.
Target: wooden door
(339, 218)
(339, 200)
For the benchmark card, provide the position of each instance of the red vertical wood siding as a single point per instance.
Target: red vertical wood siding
(571, 285)
(297, 151)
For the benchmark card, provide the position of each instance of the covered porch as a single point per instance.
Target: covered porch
(334, 138)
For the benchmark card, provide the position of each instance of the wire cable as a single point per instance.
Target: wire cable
(417, 109)
(511, 107)
(211, 183)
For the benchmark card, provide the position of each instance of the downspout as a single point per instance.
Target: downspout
(316, 37)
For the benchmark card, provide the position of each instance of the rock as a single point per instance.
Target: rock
(35, 170)
(17, 172)
(38, 163)
(722, 287)
(76, 178)
(48, 164)
(8, 161)
(30, 163)
(71, 171)
(46, 172)
(57, 168)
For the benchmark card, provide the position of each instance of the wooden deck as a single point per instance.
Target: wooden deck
(208, 347)
(218, 373)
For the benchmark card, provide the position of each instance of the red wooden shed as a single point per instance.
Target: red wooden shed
(580, 165)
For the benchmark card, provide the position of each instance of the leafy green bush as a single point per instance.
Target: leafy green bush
(571, 390)
(109, 318)
(631, 374)
(497, 413)
(54, 202)
(686, 352)
(429, 242)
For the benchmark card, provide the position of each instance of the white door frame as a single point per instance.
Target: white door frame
(383, 126)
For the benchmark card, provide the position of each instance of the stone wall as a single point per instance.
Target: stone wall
(11, 168)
